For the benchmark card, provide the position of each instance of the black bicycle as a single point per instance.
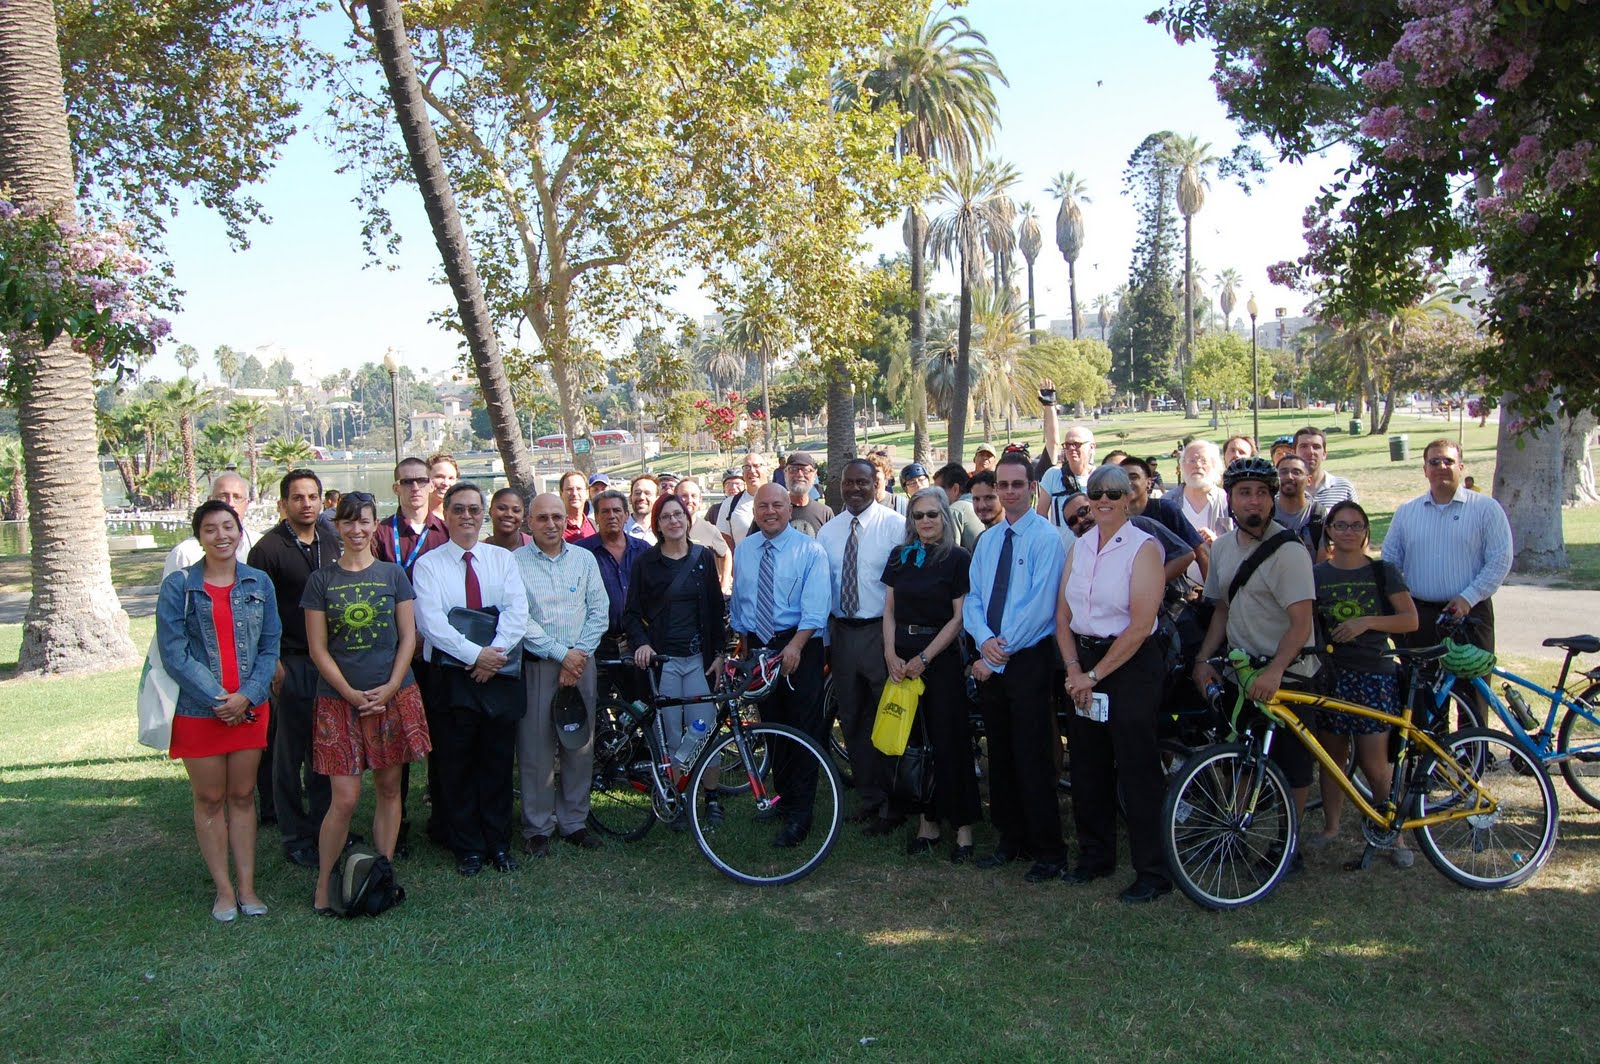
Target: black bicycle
(728, 795)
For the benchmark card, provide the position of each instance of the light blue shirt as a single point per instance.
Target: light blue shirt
(1037, 558)
(568, 607)
(802, 588)
(1460, 548)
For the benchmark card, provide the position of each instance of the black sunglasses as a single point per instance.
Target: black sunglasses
(923, 515)
(1105, 493)
(415, 482)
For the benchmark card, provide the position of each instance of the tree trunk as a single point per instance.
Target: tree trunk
(1380, 422)
(394, 52)
(1072, 293)
(1191, 408)
(766, 407)
(1033, 327)
(841, 433)
(191, 483)
(956, 434)
(250, 457)
(1577, 471)
(125, 468)
(1527, 482)
(918, 402)
(74, 620)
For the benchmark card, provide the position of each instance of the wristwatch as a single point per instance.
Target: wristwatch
(1094, 677)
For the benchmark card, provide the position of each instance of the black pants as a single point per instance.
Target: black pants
(473, 754)
(1022, 777)
(859, 673)
(799, 706)
(1479, 635)
(424, 674)
(300, 795)
(266, 806)
(948, 724)
(1122, 749)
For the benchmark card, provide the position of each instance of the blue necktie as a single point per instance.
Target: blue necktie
(1002, 583)
(765, 582)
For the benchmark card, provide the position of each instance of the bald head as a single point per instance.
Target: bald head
(773, 509)
(230, 488)
(547, 517)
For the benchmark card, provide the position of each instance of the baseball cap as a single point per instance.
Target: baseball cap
(571, 718)
(986, 446)
(600, 478)
(800, 458)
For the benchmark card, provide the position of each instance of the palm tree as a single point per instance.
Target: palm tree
(246, 416)
(978, 204)
(183, 403)
(117, 432)
(723, 365)
(214, 452)
(1189, 156)
(288, 452)
(998, 347)
(1072, 191)
(73, 620)
(227, 363)
(14, 475)
(1103, 305)
(758, 329)
(1229, 281)
(1030, 240)
(438, 199)
(940, 74)
(187, 357)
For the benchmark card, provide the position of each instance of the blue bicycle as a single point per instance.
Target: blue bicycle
(1573, 743)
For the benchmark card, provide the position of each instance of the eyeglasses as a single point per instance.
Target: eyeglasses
(1107, 493)
(463, 510)
(1440, 462)
(925, 515)
(415, 482)
(1076, 445)
(1348, 526)
(1082, 511)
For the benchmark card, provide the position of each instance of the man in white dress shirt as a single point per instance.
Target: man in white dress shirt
(568, 611)
(480, 706)
(858, 543)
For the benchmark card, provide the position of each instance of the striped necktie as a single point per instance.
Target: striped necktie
(849, 580)
(765, 583)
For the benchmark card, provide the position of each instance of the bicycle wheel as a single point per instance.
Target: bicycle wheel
(1495, 849)
(836, 747)
(1582, 769)
(1457, 714)
(740, 841)
(620, 802)
(1228, 840)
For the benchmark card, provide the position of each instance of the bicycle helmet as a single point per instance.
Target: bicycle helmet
(1252, 468)
(1466, 661)
(753, 677)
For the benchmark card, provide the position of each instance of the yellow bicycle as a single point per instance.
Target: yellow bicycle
(1481, 810)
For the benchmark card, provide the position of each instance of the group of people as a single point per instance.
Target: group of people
(465, 627)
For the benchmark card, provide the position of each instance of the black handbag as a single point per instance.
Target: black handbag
(911, 788)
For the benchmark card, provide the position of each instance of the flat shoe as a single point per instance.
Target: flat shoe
(1318, 842)
(920, 846)
(1145, 890)
(257, 909)
(1403, 858)
(324, 910)
(225, 916)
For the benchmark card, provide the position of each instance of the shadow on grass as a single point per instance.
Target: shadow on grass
(88, 762)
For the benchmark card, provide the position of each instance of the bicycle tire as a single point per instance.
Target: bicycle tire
(741, 844)
(836, 743)
(1459, 715)
(1217, 859)
(1582, 771)
(1499, 849)
(620, 798)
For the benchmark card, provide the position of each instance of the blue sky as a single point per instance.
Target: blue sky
(1088, 81)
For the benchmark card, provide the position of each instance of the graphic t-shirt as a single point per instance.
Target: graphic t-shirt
(1344, 594)
(360, 606)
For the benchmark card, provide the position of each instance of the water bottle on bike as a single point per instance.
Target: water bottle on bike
(695, 737)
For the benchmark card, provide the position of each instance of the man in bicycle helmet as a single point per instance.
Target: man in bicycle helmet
(1262, 597)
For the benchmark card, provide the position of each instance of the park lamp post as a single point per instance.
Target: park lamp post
(1255, 374)
(393, 369)
(639, 400)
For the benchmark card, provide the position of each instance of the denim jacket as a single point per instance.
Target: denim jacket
(188, 640)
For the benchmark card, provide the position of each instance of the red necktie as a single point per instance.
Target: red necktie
(474, 592)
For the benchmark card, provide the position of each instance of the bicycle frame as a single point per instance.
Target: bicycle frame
(1541, 744)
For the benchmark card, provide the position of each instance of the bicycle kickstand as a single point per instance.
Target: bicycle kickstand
(1365, 861)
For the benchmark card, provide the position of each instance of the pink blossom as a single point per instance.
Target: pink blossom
(1426, 113)
(1382, 123)
(1489, 206)
(1385, 77)
(8, 210)
(1528, 222)
(1517, 70)
(1543, 378)
(1319, 40)
(1569, 166)
(1528, 148)
(1480, 125)
(1284, 274)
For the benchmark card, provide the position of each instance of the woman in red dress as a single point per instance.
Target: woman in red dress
(218, 628)
(361, 636)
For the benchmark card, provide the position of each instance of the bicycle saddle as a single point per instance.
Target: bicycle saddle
(1433, 653)
(1578, 644)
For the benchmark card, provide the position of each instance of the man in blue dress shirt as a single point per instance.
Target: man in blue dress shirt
(781, 596)
(1010, 614)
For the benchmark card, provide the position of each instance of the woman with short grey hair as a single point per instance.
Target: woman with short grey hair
(927, 580)
(1111, 589)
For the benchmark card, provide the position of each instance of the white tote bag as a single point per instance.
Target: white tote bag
(158, 698)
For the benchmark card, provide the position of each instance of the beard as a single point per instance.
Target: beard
(1254, 522)
(1198, 481)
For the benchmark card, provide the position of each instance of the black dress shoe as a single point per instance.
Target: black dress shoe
(962, 855)
(1044, 871)
(1087, 873)
(1002, 856)
(503, 861)
(583, 839)
(304, 856)
(536, 845)
(1144, 890)
(791, 834)
(470, 865)
(920, 847)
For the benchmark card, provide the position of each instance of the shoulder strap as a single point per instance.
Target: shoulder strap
(682, 575)
(1257, 560)
(1384, 608)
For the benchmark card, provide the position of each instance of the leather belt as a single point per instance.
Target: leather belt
(858, 622)
(920, 629)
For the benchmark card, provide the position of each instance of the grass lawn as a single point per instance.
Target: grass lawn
(642, 951)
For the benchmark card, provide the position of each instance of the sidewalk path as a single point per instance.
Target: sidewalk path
(1524, 615)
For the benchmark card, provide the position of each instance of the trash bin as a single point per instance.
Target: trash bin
(1355, 426)
(1399, 448)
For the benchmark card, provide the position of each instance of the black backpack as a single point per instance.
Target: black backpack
(363, 883)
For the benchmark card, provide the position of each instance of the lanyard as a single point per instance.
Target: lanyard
(415, 550)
